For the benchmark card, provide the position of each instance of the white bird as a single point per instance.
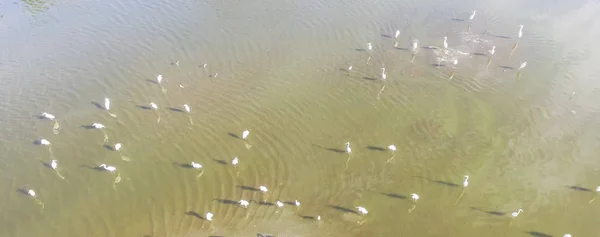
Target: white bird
(186, 107)
(472, 15)
(493, 50)
(31, 192)
(318, 218)
(196, 165)
(455, 62)
(350, 68)
(53, 164)
(397, 34)
(466, 182)
(118, 146)
(235, 161)
(392, 148)
(348, 149)
(362, 210)
(44, 142)
(153, 106)
(520, 31)
(244, 203)
(108, 167)
(598, 189)
(297, 203)
(445, 42)
(159, 79)
(245, 134)
(369, 46)
(415, 45)
(523, 65)
(263, 189)
(515, 214)
(383, 75)
(279, 204)
(98, 126)
(415, 197)
(106, 104)
(48, 116)
(209, 216)
(567, 235)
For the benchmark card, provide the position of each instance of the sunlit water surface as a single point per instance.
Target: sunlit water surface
(279, 69)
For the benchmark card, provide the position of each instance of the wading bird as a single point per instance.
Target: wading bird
(53, 164)
(445, 42)
(415, 198)
(109, 168)
(48, 116)
(187, 108)
(98, 126)
(279, 204)
(244, 203)
(209, 216)
(118, 146)
(106, 104)
(392, 148)
(465, 184)
(383, 75)
(159, 78)
(520, 31)
(369, 46)
(397, 34)
(523, 65)
(245, 134)
(263, 189)
(44, 142)
(472, 15)
(362, 210)
(197, 166)
(235, 161)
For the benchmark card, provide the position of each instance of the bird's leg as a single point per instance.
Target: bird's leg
(513, 48)
(59, 175)
(451, 76)
(201, 173)
(380, 91)
(461, 194)
(518, 74)
(412, 208)
(391, 158)
(347, 161)
(593, 199)
(413, 57)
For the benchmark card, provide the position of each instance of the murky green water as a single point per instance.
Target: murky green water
(279, 69)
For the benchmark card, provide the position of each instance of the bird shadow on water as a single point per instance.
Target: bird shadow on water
(386, 36)
(449, 184)
(22, 191)
(581, 189)
(151, 81)
(144, 107)
(360, 50)
(537, 234)
(226, 201)
(495, 213)
(98, 105)
(458, 19)
(220, 161)
(175, 110)
(398, 48)
(506, 67)
(107, 147)
(265, 203)
(234, 135)
(478, 54)
(248, 188)
(337, 150)
(344, 209)
(369, 78)
(194, 214)
(264, 235)
(183, 165)
(96, 168)
(47, 164)
(87, 127)
(376, 148)
(308, 217)
(394, 195)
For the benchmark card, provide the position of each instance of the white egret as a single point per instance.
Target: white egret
(318, 218)
(369, 46)
(245, 134)
(492, 52)
(415, 46)
(415, 198)
(235, 161)
(595, 194)
(362, 210)
(44, 142)
(397, 34)
(48, 116)
(32, 193)
(520, 31)
(523, 65)
(297, 203)
(567, 235)
(445, 42)
(244, 203)
(53, 164)
(350, 68)
(465, 184)
(109, 168)
(154, 107)
(186, 107)
(197, 166)
(106, 104)
(159, 79)
(263, 189)
(514, 215)
(349, 151)
(118, 146)
(392, 148)
(383, 75)
(98, 126)
(279, 204)
(209, 216)
(472, 15)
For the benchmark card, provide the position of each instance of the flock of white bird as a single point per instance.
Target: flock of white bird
(245, 203)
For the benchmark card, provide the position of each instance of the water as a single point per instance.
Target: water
(526, 143)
